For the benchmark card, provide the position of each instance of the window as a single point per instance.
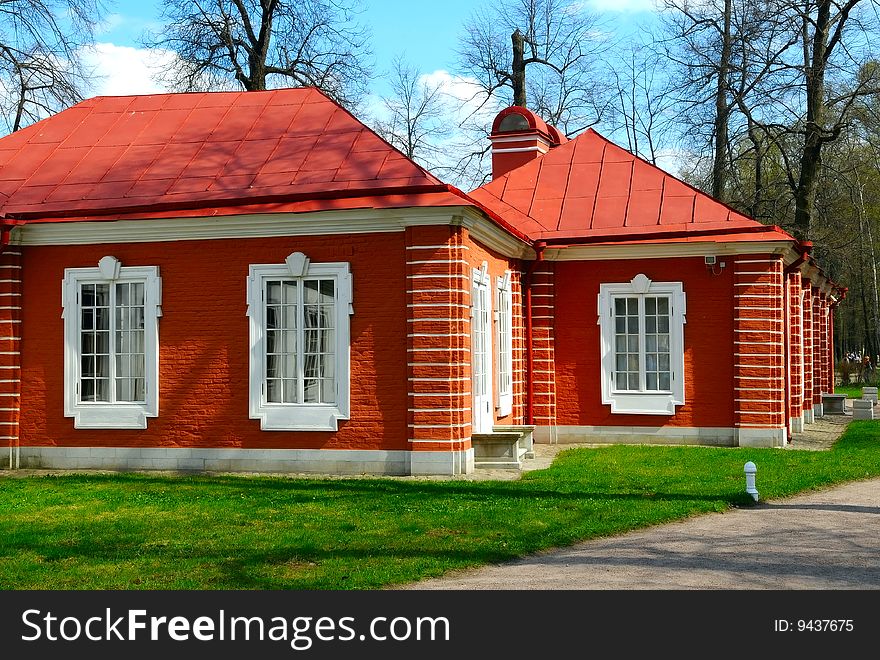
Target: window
(111, 345)
(642, 335)
(504, 357)
(299, 344)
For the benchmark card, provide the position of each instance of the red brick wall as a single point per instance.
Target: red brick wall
(497, 264)
(10, 347)
(795, 346)
(438, 339)
(708, 342)
(759, 342)
(818, 351)
(203, 338)
(807, 309)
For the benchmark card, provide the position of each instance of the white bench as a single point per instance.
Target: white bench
(834, 403)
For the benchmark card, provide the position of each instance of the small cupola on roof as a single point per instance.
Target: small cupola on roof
(519, 136)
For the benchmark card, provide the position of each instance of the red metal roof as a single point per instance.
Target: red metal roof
(223, 149)
(589, 188)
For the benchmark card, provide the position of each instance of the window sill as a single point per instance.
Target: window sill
(642, 404)
(110, 416)
(282, 418)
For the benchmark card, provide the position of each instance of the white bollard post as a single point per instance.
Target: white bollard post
(750, 471)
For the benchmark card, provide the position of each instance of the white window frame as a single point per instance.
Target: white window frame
(644, 402)
(98, 414)
(504, 344)
(299, 416)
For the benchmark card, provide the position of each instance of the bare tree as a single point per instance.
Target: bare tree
(836, 46)
(259, 44)
(416, 119)
(726, 56)
(644, 104)
(543, 54)
(40, 67)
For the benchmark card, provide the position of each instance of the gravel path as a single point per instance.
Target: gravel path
(821, 540)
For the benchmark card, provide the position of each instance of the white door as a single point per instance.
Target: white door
(481, 352)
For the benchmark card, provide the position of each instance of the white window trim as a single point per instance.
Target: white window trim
(299, 416)
(643, 403)
(99, 415)
(504, 356)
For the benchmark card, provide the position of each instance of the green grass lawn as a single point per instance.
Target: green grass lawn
(137, 531)
(852, 390)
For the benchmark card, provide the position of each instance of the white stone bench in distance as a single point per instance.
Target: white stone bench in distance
(863, 409)
(834, 403)
(869, 394)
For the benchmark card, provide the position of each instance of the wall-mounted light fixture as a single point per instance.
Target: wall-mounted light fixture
(713, 265)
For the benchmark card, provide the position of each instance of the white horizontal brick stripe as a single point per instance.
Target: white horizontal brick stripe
(760, 389)
(8, 437)
(467, 291)
(760, 309)
(544, 382)
(444, 441)
(10, 353)
(437, 247)
(15, 266)
(431, 318)
(757, 272)
(8, 423)
(758, 295)
(775, 285)
(439, 394)
(543, 295)
(434, 334)
(768, 332)
(10, 281)
(10, 320)
(440, 304)
(439, 409)
(435, 350)
(435, 364)
(762, 426)
(759, 400)
(14, 253)
(438, 276)
(439, 380)
(742, 318)
(11, 307)
(438, 261)
(9, 409)
(757, 261)
(10, 393)
(439, 426)
(760, 412)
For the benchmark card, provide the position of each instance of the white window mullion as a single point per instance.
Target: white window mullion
(300, 342)
(642, 358)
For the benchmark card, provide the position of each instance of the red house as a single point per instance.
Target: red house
(256, 281)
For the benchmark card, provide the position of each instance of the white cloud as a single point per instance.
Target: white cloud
(466, 101)
(122, 70)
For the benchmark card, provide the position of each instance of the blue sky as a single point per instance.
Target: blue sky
(426, 32)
